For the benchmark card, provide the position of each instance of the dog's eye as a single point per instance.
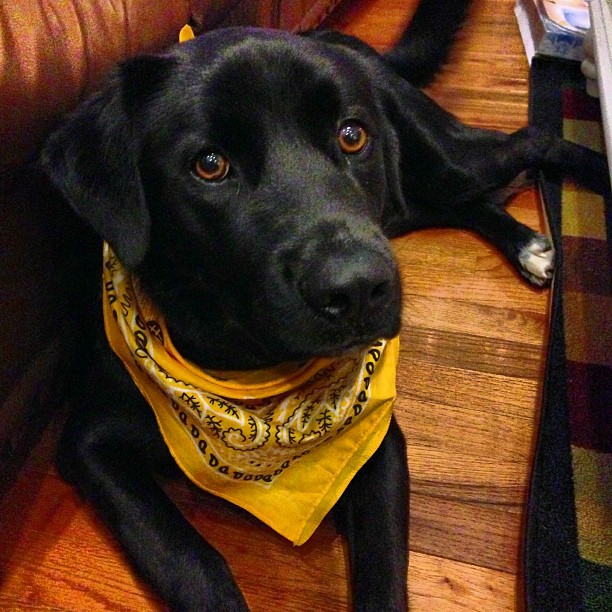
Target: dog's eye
(211, 166)
(352, 138)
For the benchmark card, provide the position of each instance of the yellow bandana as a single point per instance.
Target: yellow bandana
(256, 438)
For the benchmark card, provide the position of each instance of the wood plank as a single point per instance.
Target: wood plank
(481, 534)
(466, 389)
(473, 318)
(444, 585)
(456, 264)
(478, 351)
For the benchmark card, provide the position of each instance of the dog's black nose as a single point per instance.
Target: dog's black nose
(352, 287)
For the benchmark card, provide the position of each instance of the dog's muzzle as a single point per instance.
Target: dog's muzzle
(347, 278)
(351, 286)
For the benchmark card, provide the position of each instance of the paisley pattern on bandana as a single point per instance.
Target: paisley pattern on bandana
(281, 443)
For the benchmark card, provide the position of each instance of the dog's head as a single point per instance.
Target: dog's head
(244, 176)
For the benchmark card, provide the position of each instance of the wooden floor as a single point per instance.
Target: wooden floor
(469, 386)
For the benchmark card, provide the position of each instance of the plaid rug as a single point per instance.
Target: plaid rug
(586, 228)
(568, 547)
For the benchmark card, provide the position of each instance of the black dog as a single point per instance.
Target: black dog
(251, 180)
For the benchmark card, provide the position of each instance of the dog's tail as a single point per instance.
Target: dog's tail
(424, 46)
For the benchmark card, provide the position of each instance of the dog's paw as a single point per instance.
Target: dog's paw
(537, 260)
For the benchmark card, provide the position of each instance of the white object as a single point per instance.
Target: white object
(588, 67)
(601, 25)
(554, 28)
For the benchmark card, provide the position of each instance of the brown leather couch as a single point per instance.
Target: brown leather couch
(53, 53)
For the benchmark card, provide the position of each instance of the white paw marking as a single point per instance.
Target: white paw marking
(537, 259)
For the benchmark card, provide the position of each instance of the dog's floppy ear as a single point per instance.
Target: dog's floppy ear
(93, 160)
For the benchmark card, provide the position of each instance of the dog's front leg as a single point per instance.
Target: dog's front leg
(373, 515)
(107, 454)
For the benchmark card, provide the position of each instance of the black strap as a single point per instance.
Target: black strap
(551, 559)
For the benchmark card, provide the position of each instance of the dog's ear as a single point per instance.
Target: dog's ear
(94, 157)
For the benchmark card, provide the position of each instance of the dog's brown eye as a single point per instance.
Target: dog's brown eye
(212, 166)
(352, 138)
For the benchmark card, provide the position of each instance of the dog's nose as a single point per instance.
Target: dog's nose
(350, 287)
